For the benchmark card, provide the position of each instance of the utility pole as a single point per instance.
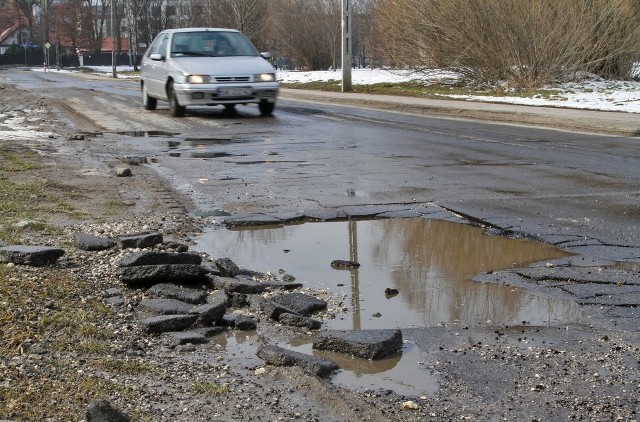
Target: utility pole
(113, 41)
(346, 46)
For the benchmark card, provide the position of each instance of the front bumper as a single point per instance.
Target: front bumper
(214, 94)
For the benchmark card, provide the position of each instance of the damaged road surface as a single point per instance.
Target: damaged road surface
(578, 192)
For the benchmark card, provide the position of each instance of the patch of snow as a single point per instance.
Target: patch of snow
(14, 126)
(591, 93)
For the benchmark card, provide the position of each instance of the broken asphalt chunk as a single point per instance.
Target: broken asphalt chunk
(37, 256)
(227, 267)
(165, 306)
(148, 275)
(165, 323)
(233, 285)
(159, 258)
(278, 356)
(176, 338)
(299, 321)
(300, 303)
(339, 264)
(367, 344)
(181, 293)
(89, 242)
(211, 312)
(143, 240)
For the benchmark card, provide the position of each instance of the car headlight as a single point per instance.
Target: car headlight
(198, 79)
(265, 77)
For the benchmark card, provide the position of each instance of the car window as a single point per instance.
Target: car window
(159, 45)
(211, 44)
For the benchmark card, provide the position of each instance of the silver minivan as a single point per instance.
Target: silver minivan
(206, 67)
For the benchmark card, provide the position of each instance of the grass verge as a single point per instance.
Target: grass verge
(419, 90)
(25, 195)
(56, 345)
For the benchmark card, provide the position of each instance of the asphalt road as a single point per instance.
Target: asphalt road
(576, 189)
(331, 153)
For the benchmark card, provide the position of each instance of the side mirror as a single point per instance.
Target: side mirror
(156, 56)
(266, 55)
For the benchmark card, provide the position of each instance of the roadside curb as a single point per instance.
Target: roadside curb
(591, 121)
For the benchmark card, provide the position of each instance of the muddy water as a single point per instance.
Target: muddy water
(429, 262)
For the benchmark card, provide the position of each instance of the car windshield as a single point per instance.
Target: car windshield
(211, 44)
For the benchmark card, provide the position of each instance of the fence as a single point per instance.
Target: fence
(34, 56)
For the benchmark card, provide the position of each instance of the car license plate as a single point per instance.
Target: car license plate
(235, 92)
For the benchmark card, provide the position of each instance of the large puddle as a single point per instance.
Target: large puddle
(429, 262)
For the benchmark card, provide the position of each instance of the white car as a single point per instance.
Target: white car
(206, 67)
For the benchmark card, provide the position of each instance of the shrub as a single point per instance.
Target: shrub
(526, 43)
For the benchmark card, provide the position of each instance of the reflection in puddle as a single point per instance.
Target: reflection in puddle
(400, 373)
(146, 134)
(430, 263)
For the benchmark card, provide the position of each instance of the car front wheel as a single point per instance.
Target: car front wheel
(266, 108)
(148, 102)
(174, 106)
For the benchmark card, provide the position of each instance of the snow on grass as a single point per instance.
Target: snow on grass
(593, 93)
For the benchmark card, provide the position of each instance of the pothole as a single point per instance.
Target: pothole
(428, 266)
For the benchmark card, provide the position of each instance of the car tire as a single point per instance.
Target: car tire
(266, 108)
(148, 102)
(174, 106)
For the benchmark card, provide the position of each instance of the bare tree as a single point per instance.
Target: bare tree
(308, 31)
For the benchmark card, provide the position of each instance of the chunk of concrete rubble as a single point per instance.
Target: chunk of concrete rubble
(367, 344)
(148, 275)
(301, 303)
(165, 323)
(177, 338)
(234, 285)
(143, 240)
(278, 356)
(103, 411)
(37, 256)
(299, 321)
(89, 242)
(185, 294)
(159, 258)
(165, 306)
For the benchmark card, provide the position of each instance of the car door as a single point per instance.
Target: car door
(154, 70)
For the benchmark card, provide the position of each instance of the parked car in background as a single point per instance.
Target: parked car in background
(206, 67)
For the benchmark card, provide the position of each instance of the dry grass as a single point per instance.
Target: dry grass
(54, 339)
(526, 43)
(26, 195)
